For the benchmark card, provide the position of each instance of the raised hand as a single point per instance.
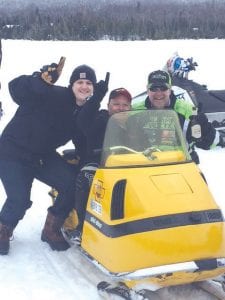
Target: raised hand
(50, 73)
(101, 87)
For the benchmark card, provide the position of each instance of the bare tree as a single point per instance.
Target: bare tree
(1, 111)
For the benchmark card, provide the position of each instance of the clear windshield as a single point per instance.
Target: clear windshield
(143, 137)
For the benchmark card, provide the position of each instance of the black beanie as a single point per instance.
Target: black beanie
(83, 72)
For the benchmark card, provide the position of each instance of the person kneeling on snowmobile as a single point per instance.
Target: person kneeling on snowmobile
(198, 130)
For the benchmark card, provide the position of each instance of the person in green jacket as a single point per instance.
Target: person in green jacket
(197, 129)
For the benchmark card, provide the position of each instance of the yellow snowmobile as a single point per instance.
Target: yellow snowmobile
(151, 220)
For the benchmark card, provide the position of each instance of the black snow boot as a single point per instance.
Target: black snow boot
(5, 234)
(52, 234)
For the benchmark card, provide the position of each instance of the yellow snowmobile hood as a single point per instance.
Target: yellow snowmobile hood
(145, 217)
(150, 211)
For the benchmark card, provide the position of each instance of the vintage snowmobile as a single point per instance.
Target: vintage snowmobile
(151, 220)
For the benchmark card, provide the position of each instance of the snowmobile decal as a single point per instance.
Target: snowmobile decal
(96, 207)
(98, 195)
(99, 190)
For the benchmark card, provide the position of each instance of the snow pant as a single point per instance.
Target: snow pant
(17, 178)
(83, 185)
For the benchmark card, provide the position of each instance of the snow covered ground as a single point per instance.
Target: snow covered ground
(32, 271)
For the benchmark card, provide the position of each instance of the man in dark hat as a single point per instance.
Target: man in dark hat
(44, 121)
(82, 82)
(161, 96)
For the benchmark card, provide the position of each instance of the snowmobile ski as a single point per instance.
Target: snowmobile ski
(121, 291)
(108, 290)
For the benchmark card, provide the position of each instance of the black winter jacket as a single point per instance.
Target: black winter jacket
(44, 120)
(94, 129)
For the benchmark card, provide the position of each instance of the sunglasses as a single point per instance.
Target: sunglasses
(158, 88)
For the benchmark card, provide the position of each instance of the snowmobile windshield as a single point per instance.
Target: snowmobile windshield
(143, 137)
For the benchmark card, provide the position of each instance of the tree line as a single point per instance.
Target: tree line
(136, 20)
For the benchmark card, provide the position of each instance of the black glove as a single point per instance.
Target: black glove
(70, 155)
(101, 88)
(200, 131)
(51, 73)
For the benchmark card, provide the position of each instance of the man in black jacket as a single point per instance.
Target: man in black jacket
(44, 120)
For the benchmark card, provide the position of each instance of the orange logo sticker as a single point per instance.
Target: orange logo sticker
(98, 190)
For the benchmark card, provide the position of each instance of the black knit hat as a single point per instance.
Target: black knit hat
(83, 72)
